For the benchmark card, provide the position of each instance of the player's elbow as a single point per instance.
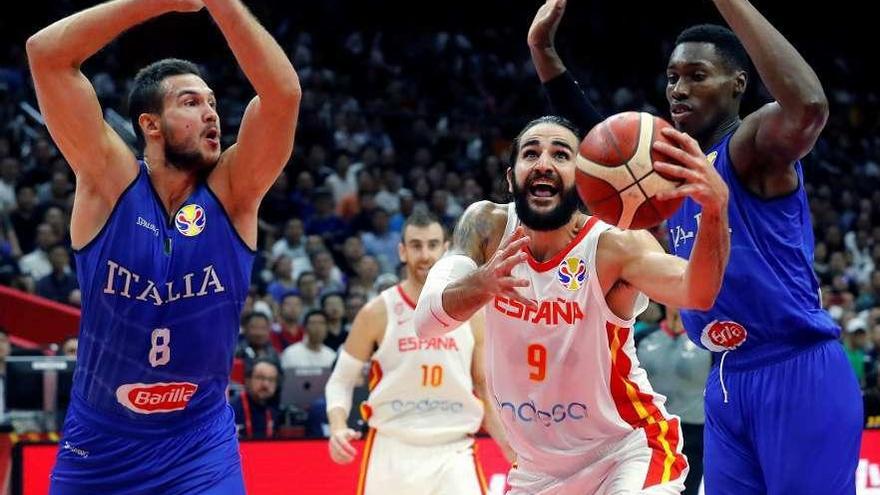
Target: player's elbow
(37, 47)
(812, 113)
(702, 300)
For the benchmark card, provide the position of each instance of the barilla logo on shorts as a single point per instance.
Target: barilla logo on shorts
(151, 398)
(723, 335)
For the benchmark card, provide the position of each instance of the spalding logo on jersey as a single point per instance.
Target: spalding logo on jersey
(190, 220)
(571, 273)
(723, 336)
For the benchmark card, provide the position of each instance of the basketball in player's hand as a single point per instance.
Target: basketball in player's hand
(616, 178)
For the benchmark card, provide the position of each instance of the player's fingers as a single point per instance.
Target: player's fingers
(678, 192)
(504, 267)
(676, 154)
(674, 170)
(684, 141)
(506, 283)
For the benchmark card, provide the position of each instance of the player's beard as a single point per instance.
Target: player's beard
(551, 220)
(184, 158)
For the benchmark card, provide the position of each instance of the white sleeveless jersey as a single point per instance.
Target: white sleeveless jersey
(421, 389)
(565, 375)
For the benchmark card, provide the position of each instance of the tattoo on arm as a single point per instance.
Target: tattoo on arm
(471, 235)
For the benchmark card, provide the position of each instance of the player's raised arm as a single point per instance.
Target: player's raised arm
(265, 139)
(472, 272)
(67, 99)
(692, 284)
(784, 131)
(565, 95)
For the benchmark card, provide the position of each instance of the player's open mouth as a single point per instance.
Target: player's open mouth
(213, 136)
(680, 110)
(543, 189)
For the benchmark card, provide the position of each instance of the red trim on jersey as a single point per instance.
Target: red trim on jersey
(638, 409)
(484, 487)
(543, 266)
(667, 463)
(365, 462)
(375, 374)
(634, 406)
(405, 297)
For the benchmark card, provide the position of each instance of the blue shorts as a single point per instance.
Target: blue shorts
(203, 461)
(790, 427)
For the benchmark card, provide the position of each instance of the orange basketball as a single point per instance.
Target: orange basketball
(616, 178)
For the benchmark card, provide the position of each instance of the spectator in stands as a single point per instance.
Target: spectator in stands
(293, 242)
(256, 407)
(255, 342)
(367, 271)
(328, 274)
(354, 301)
(9, 171)
(325, 222)
(9, 252)
(333, 306)
(309, 291)
(25, 217)
(311, 352)
(60, 283)
(678, 369)
(854, 345)
(382, 242)
(36, 264)
(282, 281)
(55, 217)
(289, 326)
(352, 252)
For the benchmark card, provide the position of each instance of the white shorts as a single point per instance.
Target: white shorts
(393, 467)
(634, 466)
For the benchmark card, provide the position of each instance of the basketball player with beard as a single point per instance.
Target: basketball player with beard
(164, 247)
(561, 291)
(425, 394)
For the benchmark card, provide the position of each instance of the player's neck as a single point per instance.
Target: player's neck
(172, 185)
(714, 137)
(546, 244)
(412, 287)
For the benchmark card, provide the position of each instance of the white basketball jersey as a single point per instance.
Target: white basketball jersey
(565, 375)
(421, 389)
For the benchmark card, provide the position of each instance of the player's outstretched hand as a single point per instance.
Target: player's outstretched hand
(542, 33)
(688, 163)
(494, 277)
(341, 450)
(185, 5)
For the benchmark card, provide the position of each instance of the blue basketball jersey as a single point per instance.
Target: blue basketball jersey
(161, 301)
(769, 304)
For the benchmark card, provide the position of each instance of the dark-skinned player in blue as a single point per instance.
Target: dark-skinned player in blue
(783, 407)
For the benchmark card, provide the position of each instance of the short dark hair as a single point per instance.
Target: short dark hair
(311, 313)
(249, 316)
(249, 369)
(303, 275)
(421, 217)
(146, 92)
(547, 119)
(725, 41)
(328, 295)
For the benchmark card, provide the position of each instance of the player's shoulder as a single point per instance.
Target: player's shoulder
(617, 243)
(374, 312)
(486, 211)
(480, 229)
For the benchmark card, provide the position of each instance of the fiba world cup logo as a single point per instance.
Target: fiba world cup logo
(572, 273)
(190, 220)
